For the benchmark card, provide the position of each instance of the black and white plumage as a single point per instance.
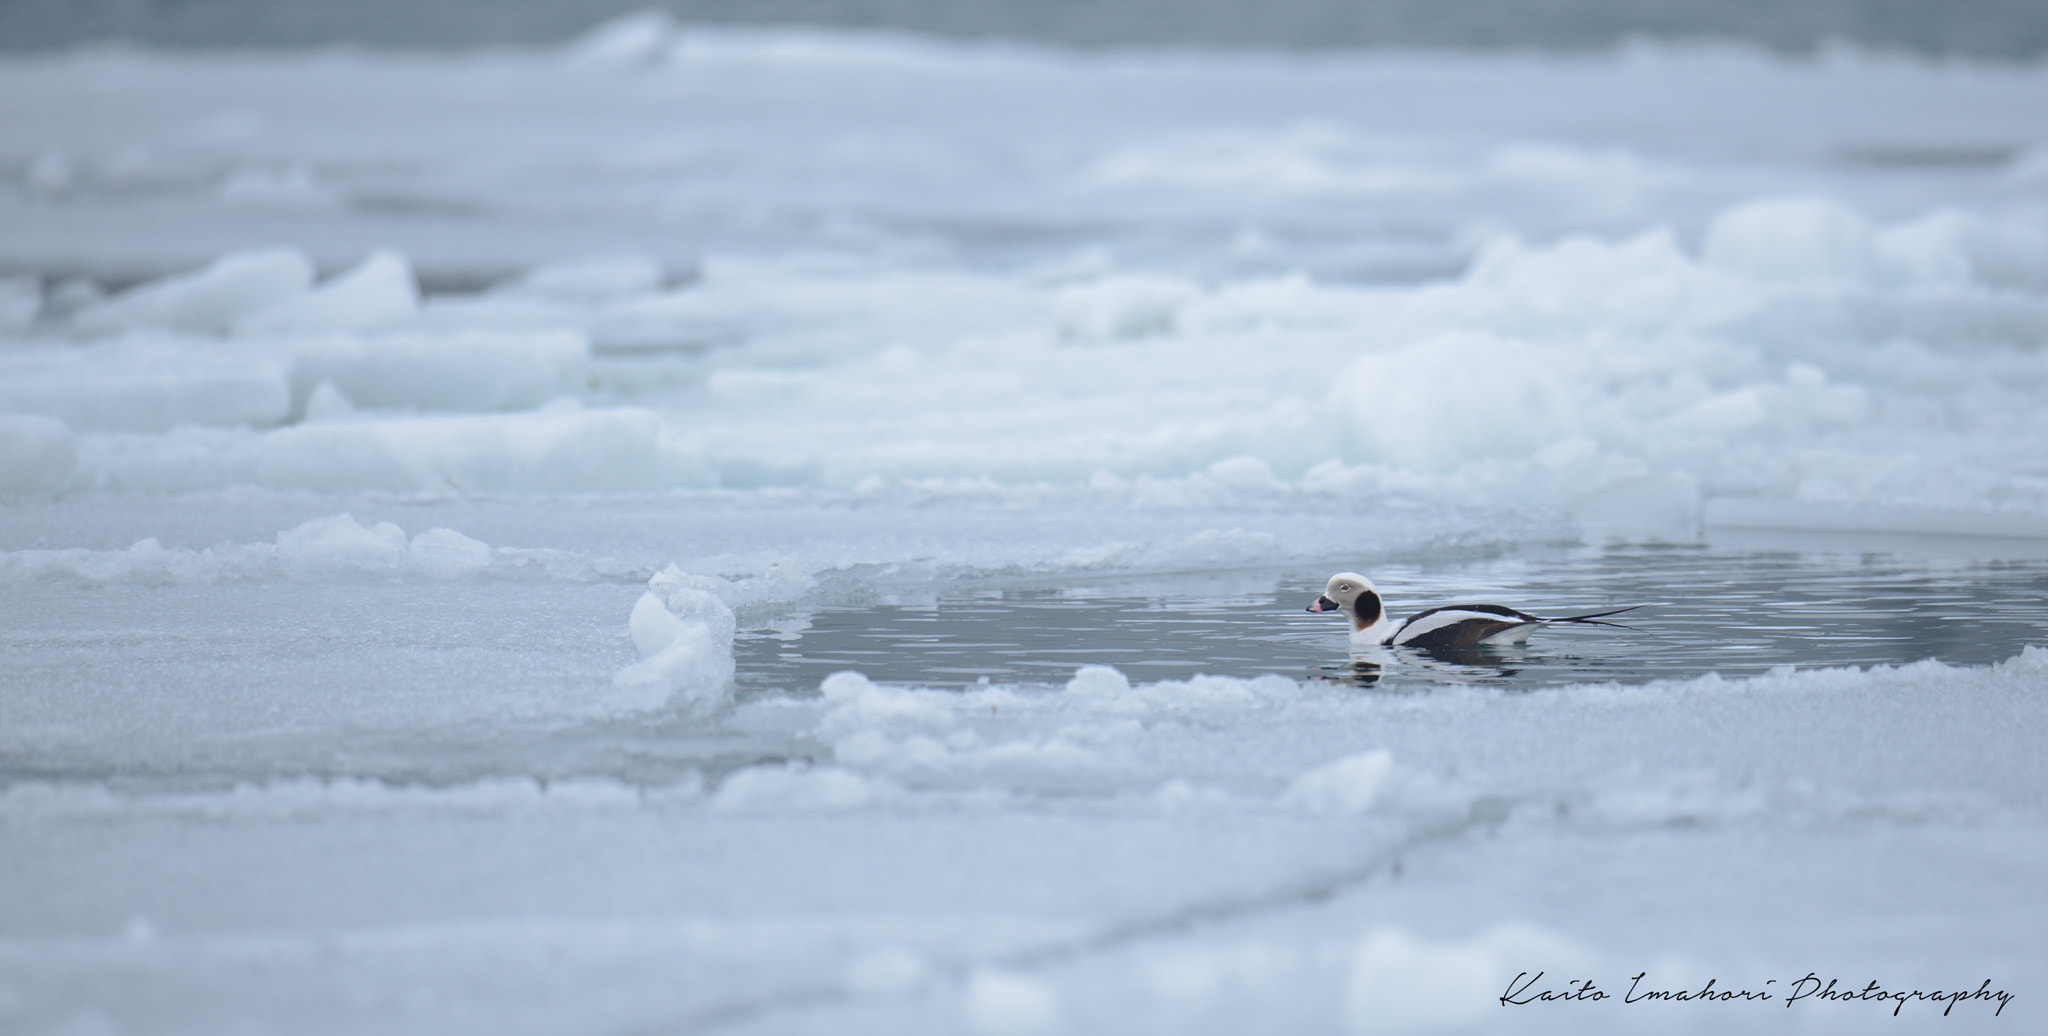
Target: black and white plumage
(1453, 626)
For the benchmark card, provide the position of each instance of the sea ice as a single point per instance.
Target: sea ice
(374, 648)
(377, 293)
(684, 635)
(208, 301)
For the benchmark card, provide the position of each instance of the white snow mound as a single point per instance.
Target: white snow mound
(684, 636)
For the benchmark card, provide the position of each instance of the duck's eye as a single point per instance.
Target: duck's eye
(1343, 586)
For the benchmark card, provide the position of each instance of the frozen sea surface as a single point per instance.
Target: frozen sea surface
(344, 781)
(720, 531)
(1982, 27)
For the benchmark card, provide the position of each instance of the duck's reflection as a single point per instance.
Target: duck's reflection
(1356, 673)
(1466, 664)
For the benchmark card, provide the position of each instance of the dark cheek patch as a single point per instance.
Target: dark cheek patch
(1366, 610)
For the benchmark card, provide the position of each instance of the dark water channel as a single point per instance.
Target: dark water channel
(1733, 611)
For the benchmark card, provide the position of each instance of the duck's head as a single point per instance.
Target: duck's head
(1352, 594)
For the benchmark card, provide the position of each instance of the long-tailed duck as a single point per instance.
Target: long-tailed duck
(1457, 625)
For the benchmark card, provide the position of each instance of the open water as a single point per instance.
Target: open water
(1731, 611)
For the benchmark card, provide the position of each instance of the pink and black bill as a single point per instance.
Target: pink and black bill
(1364, 612)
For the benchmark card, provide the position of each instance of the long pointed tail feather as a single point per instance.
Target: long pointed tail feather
(1593, 618)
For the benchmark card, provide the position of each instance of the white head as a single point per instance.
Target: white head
(1354, 595)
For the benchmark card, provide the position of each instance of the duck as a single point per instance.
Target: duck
(1451, 626)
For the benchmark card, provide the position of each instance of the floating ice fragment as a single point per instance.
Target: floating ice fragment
(931, 735)
(653, 626)
(692, 669)
(843, 686)
(458, 371)
(564, 451)
(144, 383)
(377, 293)
(857, 705)
(1098, 680)
(335, 545)
(748, 580)
(684, 636)
(688, 601)
(207, 301)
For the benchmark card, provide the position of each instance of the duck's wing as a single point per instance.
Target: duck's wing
(1463, 625)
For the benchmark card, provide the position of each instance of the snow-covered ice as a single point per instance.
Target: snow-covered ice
(403, 458)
